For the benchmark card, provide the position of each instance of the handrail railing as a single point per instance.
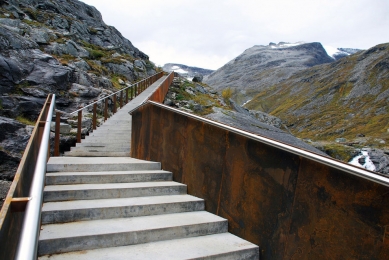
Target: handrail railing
(21, 211)
(130, 93)
(26, 192)
(277, 196)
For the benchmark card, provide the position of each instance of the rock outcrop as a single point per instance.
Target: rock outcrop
(61, 47)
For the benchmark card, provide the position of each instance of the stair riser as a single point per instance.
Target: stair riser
(98, 154)
(102, 167)
(122, 178)
(247, 254)
(128, 238)
(120, 212)
(100, 142)
(111, 148)
(101, 134)
(111, 193)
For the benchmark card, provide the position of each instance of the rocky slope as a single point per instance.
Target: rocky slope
(61, 47)
(260, 67)
(344, 101)
(200, 99)
(186, 71)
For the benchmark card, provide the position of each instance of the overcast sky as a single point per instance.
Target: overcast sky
(208, 34)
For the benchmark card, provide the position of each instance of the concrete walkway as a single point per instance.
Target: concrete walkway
(101, 204)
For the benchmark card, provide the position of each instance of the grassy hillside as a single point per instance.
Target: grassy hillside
(345, 98)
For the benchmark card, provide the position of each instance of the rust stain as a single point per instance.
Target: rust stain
(293, 208)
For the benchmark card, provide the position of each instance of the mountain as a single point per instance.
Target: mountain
(186, 71)
(61, 47)
(260, 67)
(344, 102)
(341, 99)
(338, 53)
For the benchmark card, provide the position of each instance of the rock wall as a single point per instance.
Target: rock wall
(61, 47)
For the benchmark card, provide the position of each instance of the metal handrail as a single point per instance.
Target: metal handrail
(136, 89)
(349, 168)
(28, 242)
(121, 90)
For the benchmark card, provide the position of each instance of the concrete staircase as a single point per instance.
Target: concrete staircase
(115, 207)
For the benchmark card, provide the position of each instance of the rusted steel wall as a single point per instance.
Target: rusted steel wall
(292, 207)
(160, 93)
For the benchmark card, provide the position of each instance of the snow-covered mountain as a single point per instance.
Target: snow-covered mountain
(337, 53)
(186, 71)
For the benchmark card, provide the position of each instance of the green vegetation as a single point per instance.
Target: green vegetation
(25, 121)
(227, 94)
(115, 80)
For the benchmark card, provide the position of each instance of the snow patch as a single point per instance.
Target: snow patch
(368, 165)
(286, 45)
(246, 102)
(332, 51)
(175, 68)
(181, 71)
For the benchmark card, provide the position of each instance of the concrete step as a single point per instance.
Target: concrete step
(108, 148)
(102, 142)
(102, 134)
(111, 190)
(82, 210)
(114, 127)
(99, 164)
(222, 246)
(84, 235)
(62, 178)
(97, 154)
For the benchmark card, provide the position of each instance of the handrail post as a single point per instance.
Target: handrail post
(121, 99)
(57, 130)
(135, 93)
(79, 121)
(114, 103)
(126, 95)
(105, 109)
(94, 116)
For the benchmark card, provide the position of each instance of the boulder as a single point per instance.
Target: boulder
(63, 128)
(198, 78)
(84, 91)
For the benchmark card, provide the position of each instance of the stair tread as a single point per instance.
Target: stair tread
(106, 186)
(104, 173)
(116, 202)
(185, 248)
(121, 225)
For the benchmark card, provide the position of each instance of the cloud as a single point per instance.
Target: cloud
(210, 33)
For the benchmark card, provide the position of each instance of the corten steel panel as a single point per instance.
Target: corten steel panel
(292, 207)
(160, 93)
(337, 216)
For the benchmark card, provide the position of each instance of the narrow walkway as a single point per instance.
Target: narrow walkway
(123, 208)
(113, 138)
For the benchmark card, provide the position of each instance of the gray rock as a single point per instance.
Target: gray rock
(198, 78)
(63, 128)
(340, 140)
(168, 102)
(40, 36)
(266, 118)
(84, 91)
(82, 65)
(35, 92)
(44, 73)
(201, 89)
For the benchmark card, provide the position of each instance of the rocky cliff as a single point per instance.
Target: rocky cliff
(61, 47)
(260, 67)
